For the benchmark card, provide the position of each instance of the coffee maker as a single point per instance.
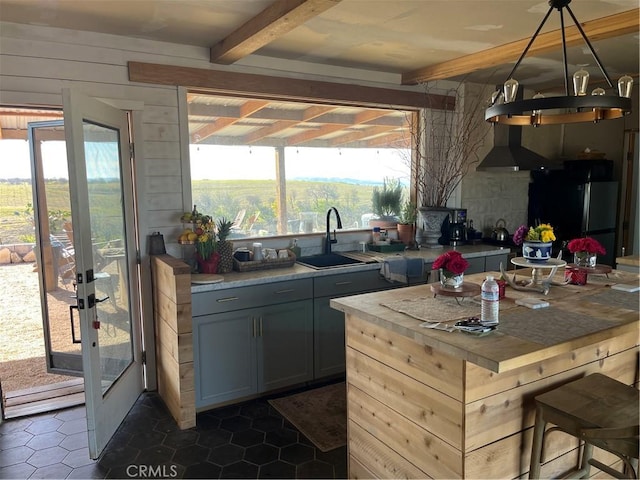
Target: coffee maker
(457, 226)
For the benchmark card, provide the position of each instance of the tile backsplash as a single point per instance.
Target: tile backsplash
(490, 196)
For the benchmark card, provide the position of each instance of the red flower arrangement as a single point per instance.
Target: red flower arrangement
(451, 261)
(586, 244)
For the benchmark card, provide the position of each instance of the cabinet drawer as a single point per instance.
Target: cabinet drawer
(218, 301)
(348, 283)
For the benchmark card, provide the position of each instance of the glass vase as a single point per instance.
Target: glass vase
(449, 279)
(585, 259)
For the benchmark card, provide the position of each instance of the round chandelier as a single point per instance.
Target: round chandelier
(580, 107)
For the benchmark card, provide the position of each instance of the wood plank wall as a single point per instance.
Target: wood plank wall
(37, 62)
(414, 412)
(174, 337)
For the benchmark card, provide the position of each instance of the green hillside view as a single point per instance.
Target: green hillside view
(218, 198)
(304, 200)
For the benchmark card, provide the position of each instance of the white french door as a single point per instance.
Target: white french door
(97, 138)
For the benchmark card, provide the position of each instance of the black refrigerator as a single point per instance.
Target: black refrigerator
(575, 208)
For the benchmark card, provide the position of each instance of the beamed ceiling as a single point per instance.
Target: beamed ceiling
(401, 41)
(238, 121)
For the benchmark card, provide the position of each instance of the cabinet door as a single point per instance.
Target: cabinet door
(492, 263)
(328, 339)
(476, 265)
(285, 344)
(224, 357)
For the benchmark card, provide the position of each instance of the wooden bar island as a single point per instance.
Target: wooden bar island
(427, 403)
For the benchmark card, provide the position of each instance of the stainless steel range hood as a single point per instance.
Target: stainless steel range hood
(508, 154)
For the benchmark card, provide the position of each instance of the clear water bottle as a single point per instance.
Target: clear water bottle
(490, 309)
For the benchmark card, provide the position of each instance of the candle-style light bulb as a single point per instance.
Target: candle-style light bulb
(625, 83)
(580, 82)
(496, 97)
(536, 97)
(598, 91)
(510, 90)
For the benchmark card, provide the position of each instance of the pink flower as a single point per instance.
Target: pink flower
(586, 244)
(519, 234)
(452, 261)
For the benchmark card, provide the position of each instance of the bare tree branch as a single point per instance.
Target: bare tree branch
(446, 143)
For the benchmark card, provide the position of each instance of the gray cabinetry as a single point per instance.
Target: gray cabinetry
(328, 324)
(285, 345)
(492, 262)
(476, 265)
(243, 351)
(224, 357)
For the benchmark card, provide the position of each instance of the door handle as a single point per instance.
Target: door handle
(73, 328)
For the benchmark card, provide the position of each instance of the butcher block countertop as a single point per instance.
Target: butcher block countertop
(577, 316)
(631, 260)
(425, 403)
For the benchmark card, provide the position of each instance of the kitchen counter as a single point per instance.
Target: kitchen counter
(173, 312)
(429, 403)
(628, 263)
(258, 277)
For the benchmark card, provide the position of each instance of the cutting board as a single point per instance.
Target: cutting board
(204, 278)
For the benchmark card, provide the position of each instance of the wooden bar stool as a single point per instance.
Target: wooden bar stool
(600, 411)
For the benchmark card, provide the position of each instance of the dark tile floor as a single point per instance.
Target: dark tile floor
(248, 440)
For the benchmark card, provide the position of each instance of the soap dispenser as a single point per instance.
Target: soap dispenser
(295, 248)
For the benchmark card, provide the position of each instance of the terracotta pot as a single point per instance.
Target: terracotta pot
(406, 233)
(384, 223)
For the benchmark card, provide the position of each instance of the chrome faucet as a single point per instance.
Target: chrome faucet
(328, 240)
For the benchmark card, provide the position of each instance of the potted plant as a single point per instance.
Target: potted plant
(585, 251)
(451, 266)
(386, 203)
(536, 242)
(447, 138)
(406, 223)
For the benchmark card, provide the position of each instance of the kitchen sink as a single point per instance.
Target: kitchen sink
(327, 260)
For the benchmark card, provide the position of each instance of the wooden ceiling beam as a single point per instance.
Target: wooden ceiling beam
(277, 19)
(391, 140)
(355, 135)
(197, 136)
(304, 137)
(264, 132)
(213, 82)
(598, 29)
(246, 109)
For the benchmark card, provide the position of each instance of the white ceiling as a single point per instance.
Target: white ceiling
(393, 36)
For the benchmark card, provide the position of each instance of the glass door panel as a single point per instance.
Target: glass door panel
(110, 264)
(97, 138)
(54, 246)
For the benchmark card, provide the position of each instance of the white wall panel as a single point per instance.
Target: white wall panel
(163, 167)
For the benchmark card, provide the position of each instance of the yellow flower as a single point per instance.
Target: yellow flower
(547, 236)
(541, 233)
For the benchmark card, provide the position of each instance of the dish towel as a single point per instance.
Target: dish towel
(402, 269)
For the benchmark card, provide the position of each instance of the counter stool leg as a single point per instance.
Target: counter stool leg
(585, 466)
(536, 446)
